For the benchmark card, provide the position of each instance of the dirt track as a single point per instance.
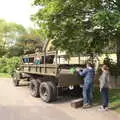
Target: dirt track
(16, 103)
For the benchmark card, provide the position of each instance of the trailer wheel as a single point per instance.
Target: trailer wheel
(46, 92)
(16, 79)
(34, 88)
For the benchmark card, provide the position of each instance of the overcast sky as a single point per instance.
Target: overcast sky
(18, 11)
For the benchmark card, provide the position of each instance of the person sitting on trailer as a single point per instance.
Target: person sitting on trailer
(37, 60)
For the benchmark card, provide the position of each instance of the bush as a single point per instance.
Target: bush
(114, 70)
(113, 67)
(7, 65)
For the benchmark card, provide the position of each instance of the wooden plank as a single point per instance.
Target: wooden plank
(77, 103)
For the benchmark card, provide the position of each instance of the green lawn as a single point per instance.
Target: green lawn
(4, 75)
(114, 97)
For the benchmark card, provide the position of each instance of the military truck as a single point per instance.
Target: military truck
(48, 74)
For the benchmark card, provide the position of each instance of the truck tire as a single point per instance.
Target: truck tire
(46, 92)
(34, 88)
(54, 89)
(16, 79)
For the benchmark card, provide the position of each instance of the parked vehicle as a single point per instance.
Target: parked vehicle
(47, 74)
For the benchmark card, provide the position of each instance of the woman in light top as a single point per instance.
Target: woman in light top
(104, 86)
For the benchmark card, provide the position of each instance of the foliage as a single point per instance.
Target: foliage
(7, 65)
(108, 21)
(113, 67)
(114, 70)
(15, 39)
(67, 23)
(28, 42)
(79, 25)
(9, 33)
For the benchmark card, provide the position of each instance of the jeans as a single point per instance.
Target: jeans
(87, 93)
(104, 96)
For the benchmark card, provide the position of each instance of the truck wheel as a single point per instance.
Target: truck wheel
(46, 92)
(54, 89)
(34, 88)
(15, 79)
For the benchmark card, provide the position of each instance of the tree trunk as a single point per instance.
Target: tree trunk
(118, 52)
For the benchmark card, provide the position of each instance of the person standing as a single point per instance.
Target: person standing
(104, 86)
(88, 73)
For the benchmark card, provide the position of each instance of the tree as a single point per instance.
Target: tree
(9, 33)
(15, 39)
(67, 23)
(2, 46)
(79, 25)
(107, 21)
(27, 42)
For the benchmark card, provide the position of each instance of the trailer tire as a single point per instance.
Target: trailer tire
(34, 88)
(46, 92)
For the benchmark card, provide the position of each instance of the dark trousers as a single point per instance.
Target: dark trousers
(104, 96)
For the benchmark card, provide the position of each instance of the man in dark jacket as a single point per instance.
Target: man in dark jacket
(88, 73)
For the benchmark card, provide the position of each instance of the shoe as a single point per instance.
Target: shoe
(86, 106)
(102, 109)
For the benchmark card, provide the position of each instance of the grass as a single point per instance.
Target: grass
(4, 75)
(114, 98)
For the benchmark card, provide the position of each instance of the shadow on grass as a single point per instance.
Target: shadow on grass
(115, 107)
